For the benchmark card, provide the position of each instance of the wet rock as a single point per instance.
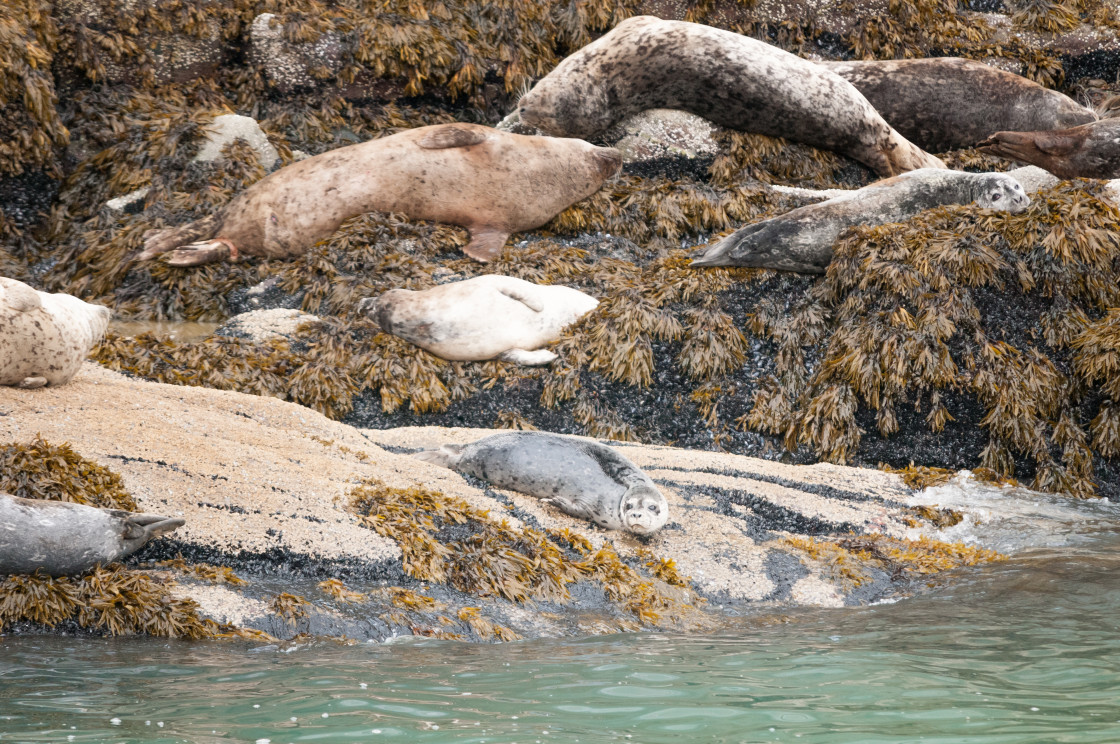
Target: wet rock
(265, 325)
(1086, 51)
(226, 128)
(290, 65)
(266, 295)
(130, 203)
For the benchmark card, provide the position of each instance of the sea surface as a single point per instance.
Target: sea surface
(1026, 650)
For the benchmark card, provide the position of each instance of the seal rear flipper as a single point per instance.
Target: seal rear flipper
(195, 254)
(453, 135)
(162, 241)
(1027, 147)
(527, 358)
(486, 244)
(447, 456)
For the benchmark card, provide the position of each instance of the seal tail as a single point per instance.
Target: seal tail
(447, 456)
(902, 155)
(157, 242)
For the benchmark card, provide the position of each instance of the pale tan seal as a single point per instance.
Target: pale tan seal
(491, 182)
(729, 79)
(801, 240)
(584, 479)
(44, 338)
(62, 539)
(1088, 151)
(486, 317)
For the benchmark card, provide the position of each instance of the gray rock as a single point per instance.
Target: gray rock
(266, 295)
(288, 65)
(130, 203)
(265, 325)
(229, 127)
(663, 133)
(1033, 178)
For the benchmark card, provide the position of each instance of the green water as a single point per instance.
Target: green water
(1025, 651)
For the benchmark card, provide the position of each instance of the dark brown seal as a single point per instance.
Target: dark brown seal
(729, 79)
(946, 103)
(491, 182)
(1088, 151)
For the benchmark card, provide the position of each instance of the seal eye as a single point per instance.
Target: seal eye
(996, 197)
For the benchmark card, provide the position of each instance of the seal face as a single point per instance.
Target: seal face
(493, 183)
(729, 79)
(946, 103)
(801, 240)
(1088, 151)
(45, 337)
(481, 318)
(62, 539)
(584, 479)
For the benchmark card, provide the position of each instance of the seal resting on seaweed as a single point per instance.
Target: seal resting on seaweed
(729, 79)
(44, 338)
(492, 183)
(801, 240)
(486, 317)
(1088, 151)
(945, 103)
(584, 479)
(61, 538)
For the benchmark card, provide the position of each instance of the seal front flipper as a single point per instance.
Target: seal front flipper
(208, 251)
(32, 383)
(486, 244)
(462, 135)
(447, 456)
(19, 297)
(527, 358)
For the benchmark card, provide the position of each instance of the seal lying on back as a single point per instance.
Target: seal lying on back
(801, 240)
(44, 338)
(585, 479)
(492, 183)
(1088, 151)
(481, 318)
(729, 79)
(63, 538)
(946, 103)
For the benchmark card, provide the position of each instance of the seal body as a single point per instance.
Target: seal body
(491, 182)
(61, 538)
(481, 318)
(584, 479)
(801, 240)
(729, 79)
(1088, 151)
(45, 337)
(946, 103)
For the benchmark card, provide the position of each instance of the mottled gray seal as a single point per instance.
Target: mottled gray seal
(585, 479)
(486, 317)
(1088, 151)
(44, 338)
(61, 538)
(729, 79)
(801, 240)
(945, 103)
(491, 182)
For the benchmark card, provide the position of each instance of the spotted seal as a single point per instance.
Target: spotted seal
(801, 240)
(62, 539)
(946, 103)
(487, 317)
(1088, 151)
(729, 79)
(583, 478)
(44, 338)
(491, 182)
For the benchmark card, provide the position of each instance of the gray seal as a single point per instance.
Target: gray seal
(801, 240)
(584, 479)
(63, 539)
(732, 80)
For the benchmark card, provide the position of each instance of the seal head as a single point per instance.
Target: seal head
(643, 510)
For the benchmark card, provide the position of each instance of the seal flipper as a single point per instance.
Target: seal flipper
(486, 244)
(462, 135)
(140, 528)
(447, 456)
(162, 241)
(1027, 147)
(32, 383)
(195, 254)
(20, 297)
(528, 358)
(514, 293)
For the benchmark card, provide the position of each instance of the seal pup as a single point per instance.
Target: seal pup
(62, 539)
(44, 338)
(584, 479)
(732, 80)
(487, 317)
(801, 240)
(493, 183)
(947, 103)
(1088, 151)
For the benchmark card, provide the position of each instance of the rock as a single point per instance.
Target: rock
(229, 127)
(1033, 178)
(130, 203)
(266, 295)
(288, 65)
(1086, 51)
(659, 134)
(265, 325)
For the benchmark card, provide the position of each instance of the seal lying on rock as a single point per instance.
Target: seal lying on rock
(63, 538)
(945, 103)
(801, 240)
(44, 338)
(729, 79)
(492, 183)
(1088, 151)
(584, 479)
(486, 317)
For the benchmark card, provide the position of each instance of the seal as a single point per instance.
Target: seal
(801, 240)
(584, 479)
(486, 317)
(493, 183)
(947, 103)
(61, 539)
(44, 338)
(732, 80)
(1088, 151)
